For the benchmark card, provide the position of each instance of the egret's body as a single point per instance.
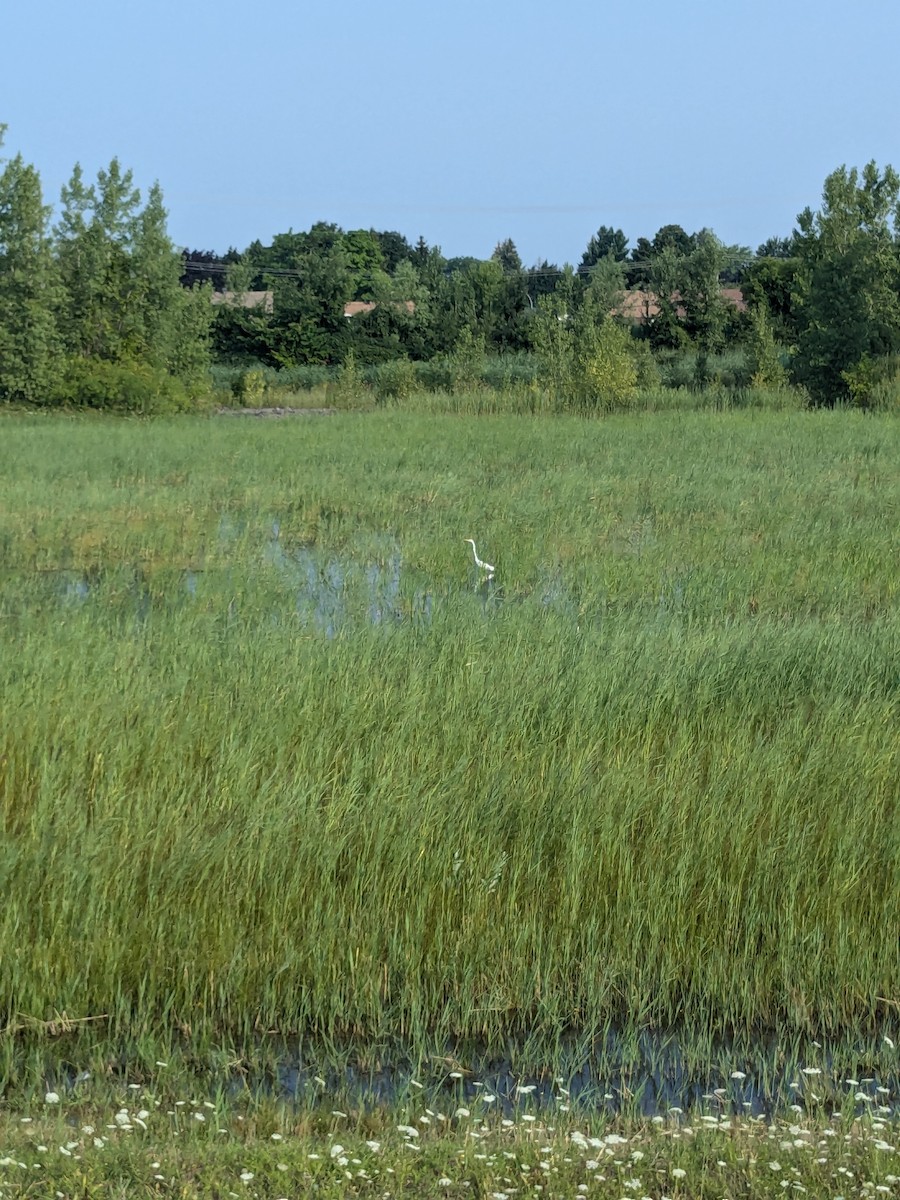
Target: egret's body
(483, 566)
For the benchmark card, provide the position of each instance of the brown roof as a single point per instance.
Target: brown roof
(354, 307)
(639, 305)
(263, 300)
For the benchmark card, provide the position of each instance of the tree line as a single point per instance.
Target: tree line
(99, 308)
(92, 310)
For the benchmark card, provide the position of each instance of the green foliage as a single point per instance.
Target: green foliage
(771, 281)
(605, 287)
(365, 260)
(607, 370)
(94, 238)
(30, 350)
(589, 362)
(122, 300)
(121, 387)
(664, 276)
(763, 355)
(466, 362)
(395, 380)
(312, 280)
(606, 243)
(249, 388)
(349, 389)
(699, 290)
(848, 281)
(553, 335)
(506, 254)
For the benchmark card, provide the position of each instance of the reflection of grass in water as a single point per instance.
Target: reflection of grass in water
(669, 798)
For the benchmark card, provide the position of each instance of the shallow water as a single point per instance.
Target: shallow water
(328, 593)
(652, 1076)
(649, 1077)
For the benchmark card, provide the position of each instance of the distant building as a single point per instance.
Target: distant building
(640, 306)
(263, 300)
(354, 307)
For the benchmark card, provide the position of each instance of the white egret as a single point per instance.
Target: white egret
(484, 566)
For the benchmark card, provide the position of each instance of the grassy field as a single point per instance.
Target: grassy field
(273, 758)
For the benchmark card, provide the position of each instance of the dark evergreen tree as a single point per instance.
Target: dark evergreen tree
(606, 243)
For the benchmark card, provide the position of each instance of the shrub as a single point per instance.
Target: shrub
(763, 355)
(249, 388)
(125, 387)
(394, 380)
(605, 369)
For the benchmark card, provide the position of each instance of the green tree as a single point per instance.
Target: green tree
(512, 310)
(605, 287)
(771, 282)
(122, 301)
(763, 356)
(395, 249)
(607, 373)
(606, 243)
(30, 349)
(776, 247)
(663, 279)
(673, 237)
(398, 326)
(848, 280)
(697, 279)
(310, 295)
(735, 261)
(553, 334)
(93, 241)
(365, 260)
(506, 254)
(168, 324)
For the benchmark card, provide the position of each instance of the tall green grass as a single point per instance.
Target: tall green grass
(650, 778)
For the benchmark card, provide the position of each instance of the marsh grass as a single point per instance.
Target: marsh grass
(650, 779)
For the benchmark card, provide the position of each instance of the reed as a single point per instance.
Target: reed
(273, 759)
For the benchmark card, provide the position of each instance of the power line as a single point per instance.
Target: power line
(217, 268)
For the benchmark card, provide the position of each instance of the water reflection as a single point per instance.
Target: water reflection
(650, 1077)
(326, 592)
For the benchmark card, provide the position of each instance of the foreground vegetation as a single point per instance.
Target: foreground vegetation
(148, 1139)
(273, 759)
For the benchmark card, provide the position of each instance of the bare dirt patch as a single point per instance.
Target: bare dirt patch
(275, 412)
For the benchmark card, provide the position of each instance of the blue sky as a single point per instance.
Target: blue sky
(464, 122)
